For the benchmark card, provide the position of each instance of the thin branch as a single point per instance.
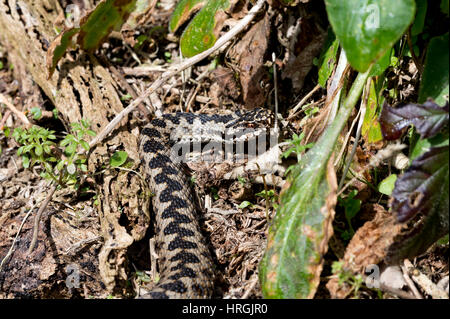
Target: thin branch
(11, 249)
(38, 217)
(19, 114)
(413, 54)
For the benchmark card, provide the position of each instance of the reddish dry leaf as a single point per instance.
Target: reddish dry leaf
(368, 246)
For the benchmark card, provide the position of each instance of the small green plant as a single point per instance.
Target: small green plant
(245, 204)
(60, 164)
(241, 180)
(347, 277)
(351, 207)
(268, 195)
(36, 112)
(296, 148)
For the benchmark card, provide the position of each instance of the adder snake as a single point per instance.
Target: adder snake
(186, 266)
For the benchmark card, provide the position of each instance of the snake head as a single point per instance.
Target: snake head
(256, 118)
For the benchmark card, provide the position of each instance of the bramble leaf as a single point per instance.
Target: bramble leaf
(422, 186)
(422, 191)
(428, 118)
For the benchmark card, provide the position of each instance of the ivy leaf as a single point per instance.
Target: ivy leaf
(428, 118)
(423, 189)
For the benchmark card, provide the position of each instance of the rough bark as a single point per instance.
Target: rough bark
(82, 88)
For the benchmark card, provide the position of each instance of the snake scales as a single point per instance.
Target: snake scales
(186, 266)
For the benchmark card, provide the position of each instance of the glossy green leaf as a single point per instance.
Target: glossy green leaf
(183, 11)
(202, 31)
(381, 65)
(367, 29)
(95, 27)
(435, 80)
(118, 158)
(328, 60)
(419, 21)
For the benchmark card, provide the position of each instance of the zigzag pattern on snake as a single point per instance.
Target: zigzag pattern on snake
(186, 266)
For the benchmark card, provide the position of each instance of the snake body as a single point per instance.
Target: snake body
(185, 262)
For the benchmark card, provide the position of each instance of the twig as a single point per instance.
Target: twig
(302, 101)
(424, 282)
(10, 251)
(408, 280)
(250, 288)
(38, 217)
(4, 118)
(178, 68)
(413, 54)
(19, 114)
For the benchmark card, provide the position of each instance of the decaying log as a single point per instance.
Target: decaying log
(82, 88)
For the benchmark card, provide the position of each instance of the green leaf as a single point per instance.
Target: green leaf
(370, 129)
(58, 48)
(419, 21)
(424, 145)
(183, 11)
(84, 145)
(298, 237)
(245, 204)
(118, 158)
(36, 112)
(381, 65)
(6, 131)
(70, 149)
(202, 31)
(445, 7)
(328, 60)
(367, 29)
(60, 166)
(47, 149)
(95, 27)
(25, 161)
(435, 79)
(91, 133)
(38, 149)
(387, 185)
